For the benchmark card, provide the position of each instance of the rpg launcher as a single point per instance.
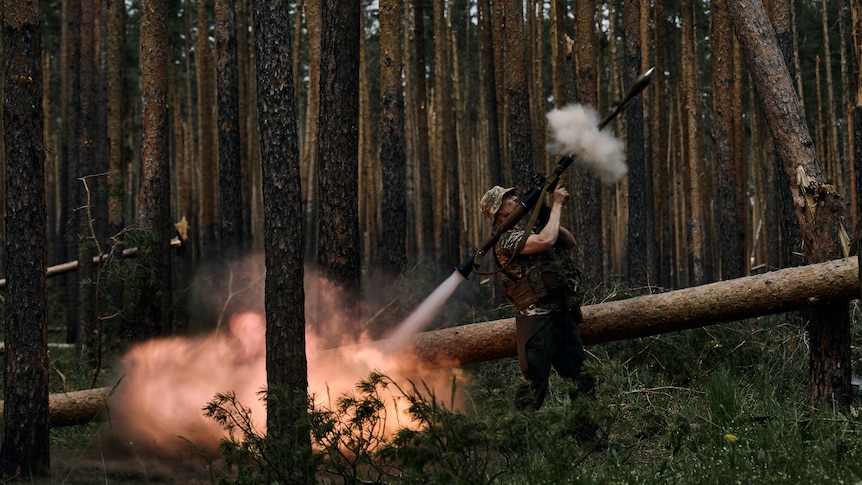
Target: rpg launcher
(546, 184)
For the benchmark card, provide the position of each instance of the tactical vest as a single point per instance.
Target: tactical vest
(549, 277)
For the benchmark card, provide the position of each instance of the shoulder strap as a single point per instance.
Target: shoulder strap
(527, 231)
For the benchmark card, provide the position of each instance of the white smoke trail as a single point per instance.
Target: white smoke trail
(575, 130)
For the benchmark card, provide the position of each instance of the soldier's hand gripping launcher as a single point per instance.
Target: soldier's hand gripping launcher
(546, 184)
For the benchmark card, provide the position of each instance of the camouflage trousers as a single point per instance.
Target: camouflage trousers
(555, 344)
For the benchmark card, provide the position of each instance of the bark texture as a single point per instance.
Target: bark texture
(638, 230)
(393, 250)
(230, 167)
(425, 188)
(75, 408)
(25, 451)
(819, 209)
(286, 364)
(730, 209)
(339, 237)
(587, 217)
(517, 96)
(153, 199)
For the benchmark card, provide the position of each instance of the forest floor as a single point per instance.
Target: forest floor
(103, 461)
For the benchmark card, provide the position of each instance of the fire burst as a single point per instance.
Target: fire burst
(157, 406)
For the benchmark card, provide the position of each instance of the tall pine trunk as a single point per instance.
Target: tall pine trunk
(818, 206)
(154, 237)
(587, 216)
(25, 449)
(284, 295)
(311, 149)
(393, 246)
(338, 223)
(729, 206)
(519, 139)
(88, 242)
(694, 150)
(427, 241)
(640, 187)
(207, 159)
(230, 168)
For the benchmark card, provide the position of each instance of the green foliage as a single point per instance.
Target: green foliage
(244, 448)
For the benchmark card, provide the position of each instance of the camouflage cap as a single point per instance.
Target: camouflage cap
(492, 200)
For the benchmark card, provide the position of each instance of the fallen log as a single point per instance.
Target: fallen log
(75, 407)
(64, 268)
(725, 301)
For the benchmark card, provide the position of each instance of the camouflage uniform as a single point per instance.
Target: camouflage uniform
(546, 327)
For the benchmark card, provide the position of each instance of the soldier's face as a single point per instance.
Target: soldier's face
(508, 205)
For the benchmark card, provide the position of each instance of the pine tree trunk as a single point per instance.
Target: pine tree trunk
(446, 189)
(789, 241)
(369, 187)
(88, 337)
(833, 163)
(311, 147)
(856, 35)
(207, 156)
(245, 107)
(739, 148)
(339, 246)
(845, 109)
(52, 183)
(488, 88)
(517, 96)
(230, 168)
(71, 147)
(154, 295)
(535, 75)
(115, 117)
(393, 244)
(661, 159)
(286, 365)
(642, 316)
(559, 52)
(818, 206)
(652, 263)
(640, 190)
(694, 152)
(586, 214)
(729, 206)
(425, 190)
(25, 451)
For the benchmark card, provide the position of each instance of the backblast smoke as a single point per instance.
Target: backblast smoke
(157, 406)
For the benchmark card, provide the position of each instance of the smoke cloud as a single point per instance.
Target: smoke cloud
(575, 131)
(157, 404)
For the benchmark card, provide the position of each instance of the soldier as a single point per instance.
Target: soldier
(543, 283)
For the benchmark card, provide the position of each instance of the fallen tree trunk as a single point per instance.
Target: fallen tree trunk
(726, 301)
(76, 407)
(64, 268)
